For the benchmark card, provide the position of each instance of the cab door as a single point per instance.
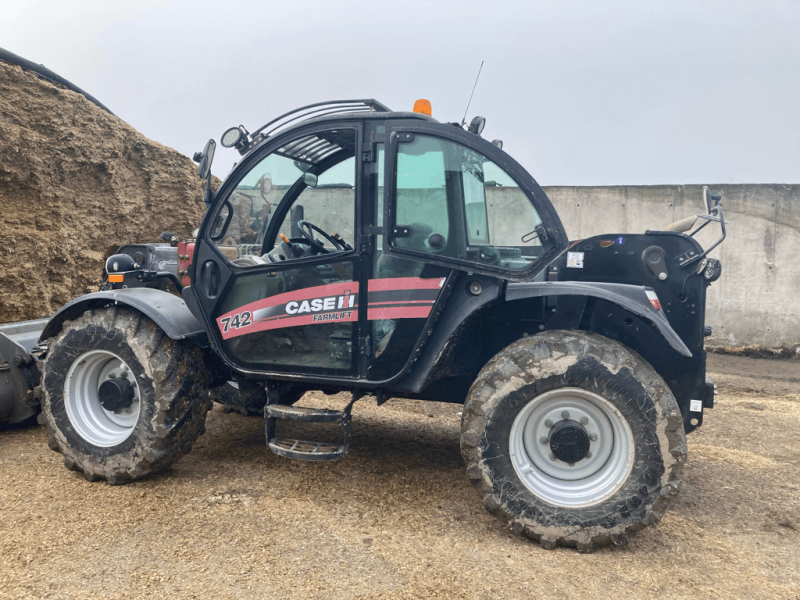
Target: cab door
(448, 202)
(272, 309)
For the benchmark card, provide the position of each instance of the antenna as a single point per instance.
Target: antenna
(464, 120)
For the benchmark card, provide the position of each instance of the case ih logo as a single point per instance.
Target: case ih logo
(397, 298)
(321, 304)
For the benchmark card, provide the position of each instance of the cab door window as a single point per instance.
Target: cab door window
(239, 227)
(316, 169)
(328, 203)
(454, 202)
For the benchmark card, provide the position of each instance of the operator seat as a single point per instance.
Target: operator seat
(392, 266)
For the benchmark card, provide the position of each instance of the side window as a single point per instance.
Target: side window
(322, 163)
(503, 198)
(474, 199)
(252, 204)
(421, 208)
(453, 201)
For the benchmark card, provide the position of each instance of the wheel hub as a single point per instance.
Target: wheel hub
(116, 394)
(102, 398)
(569, 441)
(571, 447)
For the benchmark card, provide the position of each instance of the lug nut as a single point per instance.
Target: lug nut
(543, 440)
(565, 414)
(571, 464)
(123, 374)
(552, 457)
(112, 376)
(593, 437)
(584, 421)
(588, 455)
(548, 423)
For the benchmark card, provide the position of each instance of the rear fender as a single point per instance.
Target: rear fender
(631, 297)
(169, 312)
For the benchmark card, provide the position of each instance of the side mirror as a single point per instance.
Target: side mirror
(711, 200)
(265, 184)
(206, 157)
(310, 179)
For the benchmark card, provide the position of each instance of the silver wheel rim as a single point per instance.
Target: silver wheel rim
(593, 479)
(95, 424)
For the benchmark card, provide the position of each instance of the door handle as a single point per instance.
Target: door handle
(209, 278)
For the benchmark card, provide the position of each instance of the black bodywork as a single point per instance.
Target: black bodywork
(481, 308)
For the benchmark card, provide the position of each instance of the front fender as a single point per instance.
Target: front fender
(168, 311)
(631, 297)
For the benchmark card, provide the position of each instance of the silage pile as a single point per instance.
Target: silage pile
(75, 183)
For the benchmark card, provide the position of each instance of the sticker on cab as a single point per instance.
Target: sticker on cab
(575, 260)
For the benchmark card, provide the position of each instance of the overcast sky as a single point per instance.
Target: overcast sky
(581, 93)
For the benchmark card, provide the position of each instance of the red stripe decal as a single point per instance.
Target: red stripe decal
(404, 283)
(399, 312)
(373, 304)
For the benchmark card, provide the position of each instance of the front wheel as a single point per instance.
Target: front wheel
(121, 399)
(574, 439)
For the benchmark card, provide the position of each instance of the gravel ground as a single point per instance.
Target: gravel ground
(397, 517)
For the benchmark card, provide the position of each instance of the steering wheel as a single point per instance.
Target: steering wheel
(306, 228)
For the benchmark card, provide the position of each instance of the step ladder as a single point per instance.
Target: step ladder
(305, 450)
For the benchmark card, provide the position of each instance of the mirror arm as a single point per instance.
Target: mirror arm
(207, 194)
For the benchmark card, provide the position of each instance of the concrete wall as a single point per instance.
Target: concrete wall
(757, 298)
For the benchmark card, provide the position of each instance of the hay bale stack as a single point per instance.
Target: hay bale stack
(75, 183)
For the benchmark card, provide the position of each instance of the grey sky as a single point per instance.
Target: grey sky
(581, 93)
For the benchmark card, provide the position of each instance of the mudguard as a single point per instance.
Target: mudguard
(631, 297)
(168, 311)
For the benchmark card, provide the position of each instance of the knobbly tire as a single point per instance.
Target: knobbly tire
(121, 400)
(573, 439)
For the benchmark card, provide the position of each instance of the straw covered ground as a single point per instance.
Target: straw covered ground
(397, 517)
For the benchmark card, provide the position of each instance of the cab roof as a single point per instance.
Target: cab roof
(330, 110)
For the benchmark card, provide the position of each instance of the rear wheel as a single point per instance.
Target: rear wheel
(121, 399)
(574, 439)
